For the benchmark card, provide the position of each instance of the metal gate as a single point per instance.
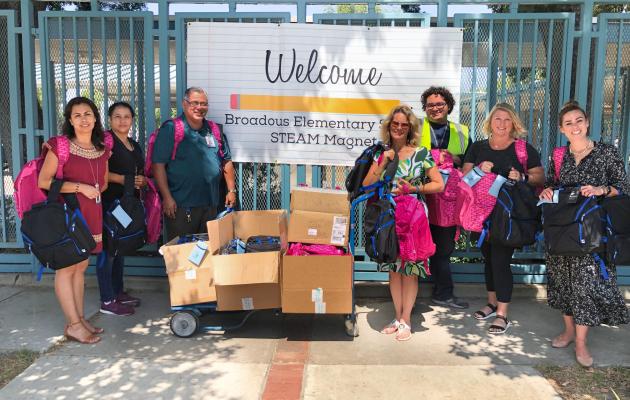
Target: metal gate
(524, 58)
(106, 57)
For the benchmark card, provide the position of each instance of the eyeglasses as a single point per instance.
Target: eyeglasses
(197, 104)
(435, 105)
(398, 125)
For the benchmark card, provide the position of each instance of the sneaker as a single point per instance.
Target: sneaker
(115, 308)
(124, 298)
(453, 302)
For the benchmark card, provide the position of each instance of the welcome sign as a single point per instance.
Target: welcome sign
(315, 94)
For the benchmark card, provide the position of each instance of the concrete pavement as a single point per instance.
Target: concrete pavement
(449, 357)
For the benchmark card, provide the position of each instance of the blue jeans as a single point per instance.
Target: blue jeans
(110, 278)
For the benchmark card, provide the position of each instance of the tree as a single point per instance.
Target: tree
(102, 5)
(410, 8)
(528, 8)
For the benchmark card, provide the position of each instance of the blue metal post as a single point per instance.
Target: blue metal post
(30, 91)
(442, 13)
(584, 51)
(165, 76)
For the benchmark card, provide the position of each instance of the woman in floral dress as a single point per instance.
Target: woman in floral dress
(574, 284)
(400, 131)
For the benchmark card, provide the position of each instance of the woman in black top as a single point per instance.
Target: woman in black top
(497, 154)
(126, 159)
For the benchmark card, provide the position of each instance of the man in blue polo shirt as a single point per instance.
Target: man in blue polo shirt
(190, 183)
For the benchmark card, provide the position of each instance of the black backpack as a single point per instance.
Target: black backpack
(379, 224)
(56, 233)
(354, 180)
(575, 225)
(515, 219)
(125, 240)
(618, 229)
(258, 244)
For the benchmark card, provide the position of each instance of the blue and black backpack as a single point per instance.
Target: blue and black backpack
(379, 224)
(575, 225)
(354, 180)
(515, 219)
(617, 229)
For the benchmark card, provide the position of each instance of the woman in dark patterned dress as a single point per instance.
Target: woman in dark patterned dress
(574, 283)
(85, 173)
(400, 131)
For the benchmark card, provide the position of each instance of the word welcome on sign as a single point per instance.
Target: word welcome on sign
(315, 94)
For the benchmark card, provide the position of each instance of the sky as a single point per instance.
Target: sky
(431, 9)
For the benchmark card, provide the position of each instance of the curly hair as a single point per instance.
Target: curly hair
(97, 132)
(439, 91)
(413, 136)
(518, 128)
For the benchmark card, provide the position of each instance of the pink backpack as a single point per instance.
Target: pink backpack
(443, 206)
(475, 204)
(152, 200)
(26, 188)
(412, 229)
(558, 156)
(301, 249)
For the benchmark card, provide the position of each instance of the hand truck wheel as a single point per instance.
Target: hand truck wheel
(352, 328)
(184, 323)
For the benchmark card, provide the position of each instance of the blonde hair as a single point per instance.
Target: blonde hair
(518, 128)
(413, 136)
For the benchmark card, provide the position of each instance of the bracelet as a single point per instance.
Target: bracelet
(76, 189)
(232, 191)
(418, 188)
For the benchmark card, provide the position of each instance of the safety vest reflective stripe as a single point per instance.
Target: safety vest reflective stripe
(458, 136)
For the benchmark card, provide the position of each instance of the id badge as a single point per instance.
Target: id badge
(210, 141)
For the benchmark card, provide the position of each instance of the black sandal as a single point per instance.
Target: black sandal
(495, 329)
(480, 315)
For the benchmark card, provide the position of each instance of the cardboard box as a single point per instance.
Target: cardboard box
(189, 283)
(248, 281)
(319, 216)
(317, 284)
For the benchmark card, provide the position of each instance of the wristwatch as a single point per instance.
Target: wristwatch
(232, 191)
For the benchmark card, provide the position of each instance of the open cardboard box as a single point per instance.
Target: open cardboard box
(318, 284)
(252, 280)
(189, 283)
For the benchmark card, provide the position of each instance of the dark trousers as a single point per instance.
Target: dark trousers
(110, 278)
(498, 270)
(189, 220)
(440, 262)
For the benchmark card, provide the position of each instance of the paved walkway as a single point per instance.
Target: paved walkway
(289, 357)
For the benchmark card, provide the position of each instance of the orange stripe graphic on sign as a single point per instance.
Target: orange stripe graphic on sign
(338, 105)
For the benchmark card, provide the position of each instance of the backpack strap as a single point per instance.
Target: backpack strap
(178, 127)
(558, 156)
(63, 153)
(216, 132)
(521, 153)
(108, 140)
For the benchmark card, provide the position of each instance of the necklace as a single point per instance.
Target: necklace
(586, 148)
(434, 136)
(95, 176)
(494, 146)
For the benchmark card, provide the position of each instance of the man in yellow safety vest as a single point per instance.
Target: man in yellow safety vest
(451, 137)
